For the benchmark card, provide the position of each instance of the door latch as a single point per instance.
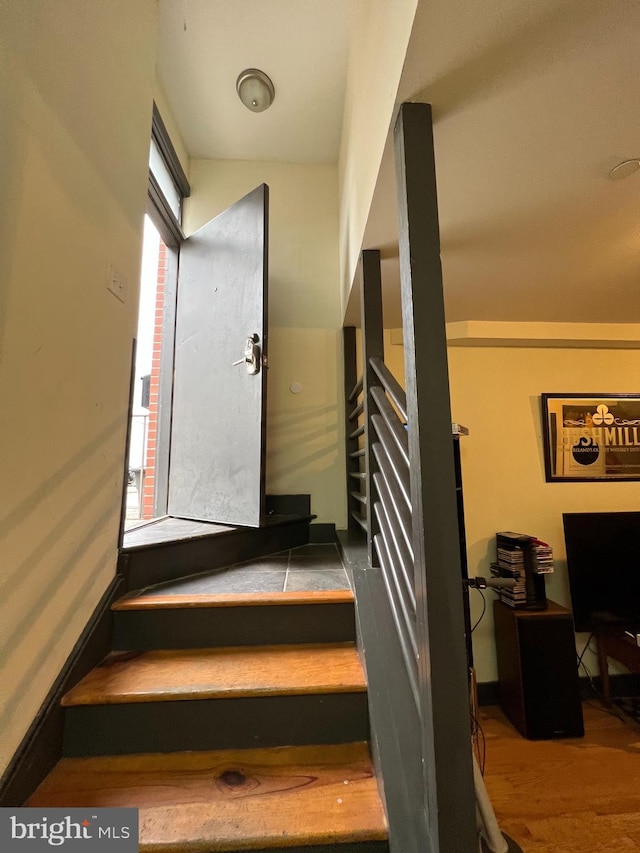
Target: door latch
(251, 356)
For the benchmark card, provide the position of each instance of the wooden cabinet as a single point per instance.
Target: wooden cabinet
(537, 671)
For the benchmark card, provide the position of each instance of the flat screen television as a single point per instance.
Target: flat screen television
(603, 559)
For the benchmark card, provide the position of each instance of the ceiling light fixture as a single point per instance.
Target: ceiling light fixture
(255, 90)
(624, 169)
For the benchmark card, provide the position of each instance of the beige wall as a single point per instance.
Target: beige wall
(495, 392)
(75, 114)
(378, 46)
(304, 444)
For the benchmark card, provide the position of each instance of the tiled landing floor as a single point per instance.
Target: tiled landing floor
(311, 567)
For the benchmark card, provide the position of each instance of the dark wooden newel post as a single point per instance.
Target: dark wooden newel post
(372, 347)
(351, 443)
(448, 774)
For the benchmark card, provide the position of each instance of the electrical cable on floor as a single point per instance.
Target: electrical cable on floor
(484, 608)
(582, 653)
(477, 734)
(601, 707)
(479, 742)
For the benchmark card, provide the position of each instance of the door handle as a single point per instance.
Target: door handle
(251, 356)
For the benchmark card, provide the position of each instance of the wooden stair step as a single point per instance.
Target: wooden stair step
(148, 600)
(254, 799)
(220, 673)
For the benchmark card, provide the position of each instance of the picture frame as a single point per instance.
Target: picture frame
(591, 437)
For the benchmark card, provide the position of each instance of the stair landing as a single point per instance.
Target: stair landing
(253, 799)
(167, 529)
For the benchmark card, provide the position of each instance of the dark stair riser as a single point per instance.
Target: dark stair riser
(208, 627)
(153, 564)
(203, 724)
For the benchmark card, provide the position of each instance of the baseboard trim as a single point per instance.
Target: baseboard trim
(288, 504)
(488, 693)
(41, 747)
(322, 533)
(623, 684)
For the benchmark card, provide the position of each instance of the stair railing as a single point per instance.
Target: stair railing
(390, 495)
(356, 456)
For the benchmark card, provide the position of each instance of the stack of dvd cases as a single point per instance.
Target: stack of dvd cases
(527, 560)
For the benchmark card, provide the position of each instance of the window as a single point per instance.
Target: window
(168, 184)
(151, 411)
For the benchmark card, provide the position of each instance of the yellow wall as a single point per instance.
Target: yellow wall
(75, 117)
(376, 56)
(495, 392)
(305, 452)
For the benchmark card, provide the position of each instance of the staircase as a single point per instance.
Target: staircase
(233, 721)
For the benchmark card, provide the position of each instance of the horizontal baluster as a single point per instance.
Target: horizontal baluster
(357, 453)
(403, 566)
(396, 462)
(357, 432)
(410, 661)
(391, 385)
(391, 419)
(359, 475)
(355, 414)
(396, 496)
(359, 497)
(361, 521)
(357, 389)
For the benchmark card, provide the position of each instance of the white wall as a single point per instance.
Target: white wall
(75, 117)
(304, 445)
(495, 392)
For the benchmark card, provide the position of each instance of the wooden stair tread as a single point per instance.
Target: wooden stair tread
(145, 600)
(191, 802)
(220, 673)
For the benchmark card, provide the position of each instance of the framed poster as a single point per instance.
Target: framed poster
(591, 437)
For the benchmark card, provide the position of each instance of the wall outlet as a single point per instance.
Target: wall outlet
(117, 283)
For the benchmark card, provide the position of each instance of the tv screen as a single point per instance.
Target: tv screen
(603, 559)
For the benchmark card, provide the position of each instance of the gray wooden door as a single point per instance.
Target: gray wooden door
(217, 457)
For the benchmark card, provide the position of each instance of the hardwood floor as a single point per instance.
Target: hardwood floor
(566, 796)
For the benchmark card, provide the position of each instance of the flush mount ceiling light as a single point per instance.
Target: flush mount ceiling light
(624, 169)
(255, 90)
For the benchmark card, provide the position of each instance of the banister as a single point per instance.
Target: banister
(355, 414)
(357, 389)
(393, 537)
(391, 385)
(397, 462)
(396, 429)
